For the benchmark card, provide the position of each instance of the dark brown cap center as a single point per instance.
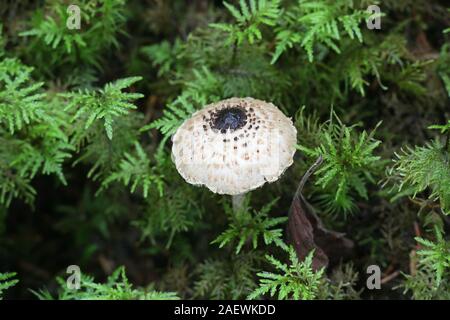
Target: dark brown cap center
(231, 118)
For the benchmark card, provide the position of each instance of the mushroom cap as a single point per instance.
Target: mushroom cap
(234, 146)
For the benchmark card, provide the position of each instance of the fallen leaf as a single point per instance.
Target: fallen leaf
(306, 231)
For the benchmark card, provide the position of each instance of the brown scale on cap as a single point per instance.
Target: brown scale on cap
(234, 145)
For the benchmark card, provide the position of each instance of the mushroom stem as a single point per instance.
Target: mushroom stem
(238, 201)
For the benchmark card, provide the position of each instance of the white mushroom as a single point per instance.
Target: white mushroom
(234, 146)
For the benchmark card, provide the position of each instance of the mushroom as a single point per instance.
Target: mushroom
(234, 146)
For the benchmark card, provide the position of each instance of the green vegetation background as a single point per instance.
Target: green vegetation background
(86, 176)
